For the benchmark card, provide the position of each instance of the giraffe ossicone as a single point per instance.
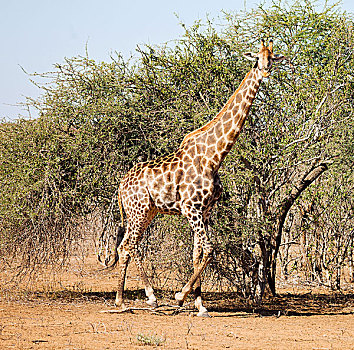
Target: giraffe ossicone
(187, 183)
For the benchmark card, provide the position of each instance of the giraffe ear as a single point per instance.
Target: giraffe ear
(278, 58)
(250, 56)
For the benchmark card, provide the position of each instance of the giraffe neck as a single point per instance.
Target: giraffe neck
(219, 135)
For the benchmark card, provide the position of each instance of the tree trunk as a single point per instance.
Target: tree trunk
(306, 180)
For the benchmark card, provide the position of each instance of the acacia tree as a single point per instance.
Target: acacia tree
(322, 226)
(299, 126)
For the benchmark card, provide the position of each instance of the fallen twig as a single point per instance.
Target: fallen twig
(164, 309)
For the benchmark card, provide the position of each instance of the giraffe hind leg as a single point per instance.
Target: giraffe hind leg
(123, 262)
(129, 249)
(149, 292)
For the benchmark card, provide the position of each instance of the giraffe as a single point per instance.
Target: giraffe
(186, 183)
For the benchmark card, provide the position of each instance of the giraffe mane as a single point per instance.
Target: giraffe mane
(212, 122)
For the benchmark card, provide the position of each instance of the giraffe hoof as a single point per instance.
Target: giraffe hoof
(179, 298)
(204, 313)
(152, 303)
(122, 307)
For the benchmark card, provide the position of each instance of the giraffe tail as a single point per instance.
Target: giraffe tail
(110, 240)
(120, 209)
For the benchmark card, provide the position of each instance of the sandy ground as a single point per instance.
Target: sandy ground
(66, 313)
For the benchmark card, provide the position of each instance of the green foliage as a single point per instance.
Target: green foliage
(96, 120)
(302, 117)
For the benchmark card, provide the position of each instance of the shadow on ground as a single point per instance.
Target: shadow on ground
(288, 304)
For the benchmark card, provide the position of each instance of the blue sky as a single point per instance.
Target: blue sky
(36, 34)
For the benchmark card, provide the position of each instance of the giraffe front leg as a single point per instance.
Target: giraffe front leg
(197, 253)
(202, 247)
(181, 296)
(202, 310)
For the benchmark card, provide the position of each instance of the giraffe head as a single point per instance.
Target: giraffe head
(265, 58)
